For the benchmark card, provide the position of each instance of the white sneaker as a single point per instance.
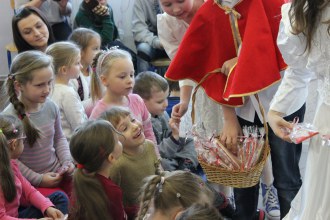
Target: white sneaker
(270, 202)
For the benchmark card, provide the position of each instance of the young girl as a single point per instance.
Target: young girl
(31, 30)
(18, 198)
(89, 42)
(66, 62)
(138, 161)
(304, 43)
(165, 195)
(115, 69)
(46, 149)
(95, 147)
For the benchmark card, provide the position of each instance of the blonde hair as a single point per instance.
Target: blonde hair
(90, 145)
(64, 53)
(115, 114)
(83, 36)
(102, 63)
(170, 190)
(200, 212)
(22, 70)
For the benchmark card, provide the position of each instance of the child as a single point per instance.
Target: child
(199, 212)
(66, 62)
(138, 161)
(174, 96)
(176, 152)
(95, 147)
(304, 43)
(18, 198)
(115, 69)
(164, 195)
(89, 42)
(46, 148)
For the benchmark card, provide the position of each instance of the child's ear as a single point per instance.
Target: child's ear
(104, 80)
(111, 158)
(13, 145)
(62, 69)
(17, 86)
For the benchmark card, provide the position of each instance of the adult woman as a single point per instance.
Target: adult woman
(31, 31)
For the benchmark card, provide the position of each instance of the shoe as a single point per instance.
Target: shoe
(270, 202)
(260, 215)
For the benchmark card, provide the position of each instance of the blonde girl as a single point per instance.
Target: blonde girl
(89, 42)
(165, 195)
(28, 85)
(200, 212)
(66, 62)
(138, 161)
(114, 69)
(14, 188)
(95, 147)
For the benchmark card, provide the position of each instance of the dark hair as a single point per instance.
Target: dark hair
(20, 43)
(22, 70)
(147, 82)
(11, 128)
(304, 16)
(200, 212)
(90, 145)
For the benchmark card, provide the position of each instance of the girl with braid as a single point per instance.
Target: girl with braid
(164, 196)
(46, 149)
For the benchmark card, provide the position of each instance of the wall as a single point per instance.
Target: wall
(6, 13)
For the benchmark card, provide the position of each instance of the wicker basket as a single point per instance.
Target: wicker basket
(236, 178)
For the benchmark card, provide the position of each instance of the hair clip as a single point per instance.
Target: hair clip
(113, 48)
(11, 76)
(80, 166)
(160, 184)
(178, 195)
(21, 116)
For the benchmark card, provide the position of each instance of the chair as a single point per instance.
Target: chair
(160, 65)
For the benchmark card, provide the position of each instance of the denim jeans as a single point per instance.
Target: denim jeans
(285, 161)
(59, 199)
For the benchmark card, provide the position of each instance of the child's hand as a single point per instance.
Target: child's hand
(71, 168)
(228, 65)
(178, 111)
(231, 130)
(54, 213)
(175, 128)
(50, 180)
(279, 125)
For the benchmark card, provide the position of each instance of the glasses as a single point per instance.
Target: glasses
(19, 138)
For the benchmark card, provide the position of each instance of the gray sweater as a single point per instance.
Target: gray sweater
(144, 22)
(172, 151)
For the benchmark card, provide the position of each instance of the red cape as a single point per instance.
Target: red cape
(209, 42)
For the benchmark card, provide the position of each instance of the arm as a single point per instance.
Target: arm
(73, 109)
(24, 3)
(140, 28)
(180, 109)
(33, 177)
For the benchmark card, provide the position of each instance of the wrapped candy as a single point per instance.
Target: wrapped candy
(301, 132)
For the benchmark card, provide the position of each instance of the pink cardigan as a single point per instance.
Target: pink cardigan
(26, 195)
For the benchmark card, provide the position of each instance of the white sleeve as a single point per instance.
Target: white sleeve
(293, 90)
(166, 37)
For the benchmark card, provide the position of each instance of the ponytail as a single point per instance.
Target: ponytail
(10, 128)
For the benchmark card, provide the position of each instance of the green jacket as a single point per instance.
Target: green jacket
(104, 25)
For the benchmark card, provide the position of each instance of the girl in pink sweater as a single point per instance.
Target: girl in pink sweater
(114, 69)
(18, 199)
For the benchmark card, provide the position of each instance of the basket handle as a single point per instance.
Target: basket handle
(193, 98)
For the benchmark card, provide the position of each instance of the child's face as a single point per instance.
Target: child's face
(157, 104)
(177, 8)
(120, 78)
(74, 69)
(88, 54)
(37, 90)
(132, 132)
(34, 31)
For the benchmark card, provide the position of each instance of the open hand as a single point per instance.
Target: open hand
(279, 125)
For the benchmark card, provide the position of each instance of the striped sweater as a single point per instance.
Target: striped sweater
(50, 150)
